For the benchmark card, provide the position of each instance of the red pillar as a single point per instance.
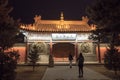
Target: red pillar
(50, 46)
(76, 50)
(26, 53)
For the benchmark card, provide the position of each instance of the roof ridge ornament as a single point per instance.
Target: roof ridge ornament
(62, 16)
(85, 18)
(93, 27)
(61, 19)
(37, 19)
(62, 25)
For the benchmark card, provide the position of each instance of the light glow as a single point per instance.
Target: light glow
(63, 36)
(83, 36)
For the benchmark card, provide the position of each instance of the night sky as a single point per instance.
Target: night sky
(49, 9)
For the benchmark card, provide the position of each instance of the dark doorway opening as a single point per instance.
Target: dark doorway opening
(61, 51)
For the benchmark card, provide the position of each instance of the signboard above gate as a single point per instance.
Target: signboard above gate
(63, 36)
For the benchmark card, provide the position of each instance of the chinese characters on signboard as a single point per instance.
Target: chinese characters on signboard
(63, 36)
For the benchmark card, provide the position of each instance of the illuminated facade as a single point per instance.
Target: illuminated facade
(59, 38)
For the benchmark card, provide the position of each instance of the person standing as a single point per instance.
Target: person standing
(70, 57)
(80, 61)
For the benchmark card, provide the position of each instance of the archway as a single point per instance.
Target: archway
(61, 51)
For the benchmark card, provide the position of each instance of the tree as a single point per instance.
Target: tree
(8, 62)
(51, 61)
(34, 54)
(8, 27)
(98, 37)
(105, 14)
(106, 17)
(20, 37)
(8, 30)
(112, 59)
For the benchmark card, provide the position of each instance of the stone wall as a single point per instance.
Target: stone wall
(87, 49)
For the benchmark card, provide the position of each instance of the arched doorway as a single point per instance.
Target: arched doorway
(61, 51)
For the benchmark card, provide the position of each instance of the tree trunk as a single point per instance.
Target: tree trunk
(99, 55)
(33, 67)
(1, 64)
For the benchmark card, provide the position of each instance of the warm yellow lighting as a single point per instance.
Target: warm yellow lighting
(64, 26)
(64, 36)
(93, 27)
(22, 26)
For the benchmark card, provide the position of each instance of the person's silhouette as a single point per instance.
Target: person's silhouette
(70, 57)
(80, 61)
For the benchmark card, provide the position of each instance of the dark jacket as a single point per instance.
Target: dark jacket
(70, 57)
(80, 61)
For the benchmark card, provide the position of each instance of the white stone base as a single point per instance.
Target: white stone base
(44, 59)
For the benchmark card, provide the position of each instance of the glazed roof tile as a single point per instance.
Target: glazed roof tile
(58, 26)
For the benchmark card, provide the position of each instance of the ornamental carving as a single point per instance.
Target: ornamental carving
(85, 47)
(41, 47)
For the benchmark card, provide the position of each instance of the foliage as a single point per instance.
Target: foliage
(107, 20)
(8, 30)
(51, 61)
(112, 59)
(34, 54)
(20, 37)
(105, 13)
(8, 27)
(8, 62)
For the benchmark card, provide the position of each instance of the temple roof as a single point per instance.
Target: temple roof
(58, 25)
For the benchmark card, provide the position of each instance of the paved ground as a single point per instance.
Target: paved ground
(27, 73)
(66, 73)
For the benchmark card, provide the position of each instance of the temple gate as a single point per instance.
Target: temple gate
(59, 38)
